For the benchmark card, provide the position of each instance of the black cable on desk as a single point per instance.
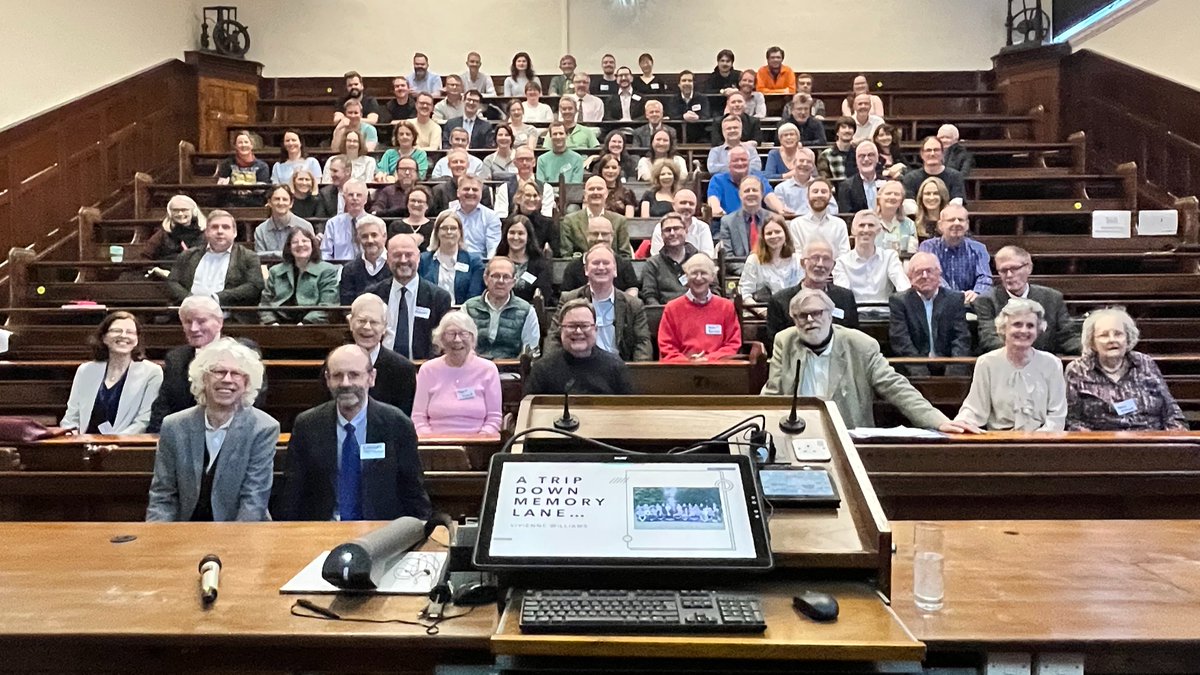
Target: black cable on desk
(327, 614)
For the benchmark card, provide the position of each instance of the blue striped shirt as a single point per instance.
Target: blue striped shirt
(966, 267)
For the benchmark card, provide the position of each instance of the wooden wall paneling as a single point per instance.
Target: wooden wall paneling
(1030, 78)
(227, 95)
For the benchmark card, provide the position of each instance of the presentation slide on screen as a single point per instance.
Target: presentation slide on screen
(613, 510)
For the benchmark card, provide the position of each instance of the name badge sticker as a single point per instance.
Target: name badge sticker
(528, 278)
(695, 107)
(421, 312)
(1126, 407)
(654, 85)
(683, 280)
(712, 329)
(464, 394)
(839, 313)
(462, 267)
(636, 97)
(372, 451)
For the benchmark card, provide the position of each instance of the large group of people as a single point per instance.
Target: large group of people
(450, 276)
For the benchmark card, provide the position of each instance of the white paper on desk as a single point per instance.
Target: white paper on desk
(1111, 224)
(414, 574)
(1155, 222)
(861, 433)
(4, 336)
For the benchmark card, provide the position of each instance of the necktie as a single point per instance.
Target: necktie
(753, 232)
(401, 343)
(350, 478)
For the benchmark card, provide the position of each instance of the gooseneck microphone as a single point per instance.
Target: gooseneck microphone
(210, 578)
(567, 422)
(793, 423)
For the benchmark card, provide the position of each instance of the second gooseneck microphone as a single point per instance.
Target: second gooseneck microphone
(793, 423)
(567, 422)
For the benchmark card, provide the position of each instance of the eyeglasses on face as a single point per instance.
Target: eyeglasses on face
(578, 327)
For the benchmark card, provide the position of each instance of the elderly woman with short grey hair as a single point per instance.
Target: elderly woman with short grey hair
(458, 393)
(214, 460)
(1113, 388)
(1017, 387)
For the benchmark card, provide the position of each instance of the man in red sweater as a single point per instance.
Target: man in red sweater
(699, 325)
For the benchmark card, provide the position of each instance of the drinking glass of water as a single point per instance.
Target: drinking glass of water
(928, 580)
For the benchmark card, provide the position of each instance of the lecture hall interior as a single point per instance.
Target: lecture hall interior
(917, 279)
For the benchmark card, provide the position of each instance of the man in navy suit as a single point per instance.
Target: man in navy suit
(352, 458)
(415, 306)
(478, 129)
(927, 320)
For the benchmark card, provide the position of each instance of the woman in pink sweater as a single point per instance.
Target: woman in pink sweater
(458, 393)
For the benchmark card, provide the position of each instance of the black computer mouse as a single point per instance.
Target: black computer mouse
(475, 593)
(816, 605)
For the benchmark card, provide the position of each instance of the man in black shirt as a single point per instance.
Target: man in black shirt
(371, 110)
(404, 106)
(579, 365)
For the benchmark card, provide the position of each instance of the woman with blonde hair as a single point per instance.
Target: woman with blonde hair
(932, 197)
(659, 200)
(181, 229)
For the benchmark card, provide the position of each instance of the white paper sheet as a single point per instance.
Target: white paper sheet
(414, 574)
(1111, 224)
(894, 432)
(1154, 222)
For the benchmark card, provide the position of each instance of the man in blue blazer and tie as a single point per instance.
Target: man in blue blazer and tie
(414, 305)
(352, 458)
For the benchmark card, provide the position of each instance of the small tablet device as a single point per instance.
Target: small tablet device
(799, 486)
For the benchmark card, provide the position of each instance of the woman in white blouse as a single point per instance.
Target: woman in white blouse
(362, 166)
(773, 266)
(536, 111)
(113, 393)
(1017, 387)
(521, 73)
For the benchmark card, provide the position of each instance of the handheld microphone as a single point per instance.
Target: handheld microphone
(567, 422)
(210, 578)
(793, 423)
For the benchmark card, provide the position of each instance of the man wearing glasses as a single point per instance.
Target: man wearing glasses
(845, 366)
(579, 364)
(1013, 266)
(395, 376)
(507, 324)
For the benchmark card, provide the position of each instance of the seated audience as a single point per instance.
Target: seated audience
(897, 231)
(591, 108)
(865, 122)
(502, 162)
(352, 458)
(306, 201)
(724, 78)
(932, 197)
(243, 168)
(354, 90)
(114, 392)
(832, 162)
(892, 162)
(1113, 388)
(561, 162)
(532, 273)
(735, 105)
(792, 192)
(423, 79)
(954, 154)
(664, 182)
(329, 198)
(648, 83)
(606, 84)
(416, 222)
(458, 393)
(447, 265)
(271, 234)
(1013, 266)
(574, 225)
(446, 192)
(395, 376)
(782, 160)
(362, 165)
(1017, 387)
(965, 262)
(654, 124)
(844, 366)
(520, 74)
(415, 306)
(524, 134)
(301, 280)
(719, 156)
(624, 103)
(614, 144)
(932, 166)
(699, 325)
(456, 141)
(578, 364)
(928, 320)
(531, 205)
(620, 198)
(507, 200)
(429, 129)
(292, 157)
(353, 121)
(871, 273)
(698, 232)
(222, 270)
(662, 146)
(404, 145)
(756, 103)
(800, 114)
(773, 264)
(507, 325)
(452, 105)
(820, 222)
(479, 130)
(621, 326)
(392, 200)
(480, 224)
(600, 231)
(476, 80)
(193, 479)
(859, 88)
(741, 230)
(536, 111)
(804, 85)
(663, 278)
(404, 104)
(561, 85)
(724, 189)
(817, 260)
(339, 240)
(690, 106)
(181, 230)
(370, 267)
(859, 191)
(775, 77)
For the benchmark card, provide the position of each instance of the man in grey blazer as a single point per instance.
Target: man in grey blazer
(1014, 265)
(352, 458)
(845, 366)
(215, 460)
(740, 229)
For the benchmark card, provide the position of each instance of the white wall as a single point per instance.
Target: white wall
(1160, 39)
(295, 37)
(55, 50)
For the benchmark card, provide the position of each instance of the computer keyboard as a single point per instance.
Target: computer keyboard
(640, 611)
